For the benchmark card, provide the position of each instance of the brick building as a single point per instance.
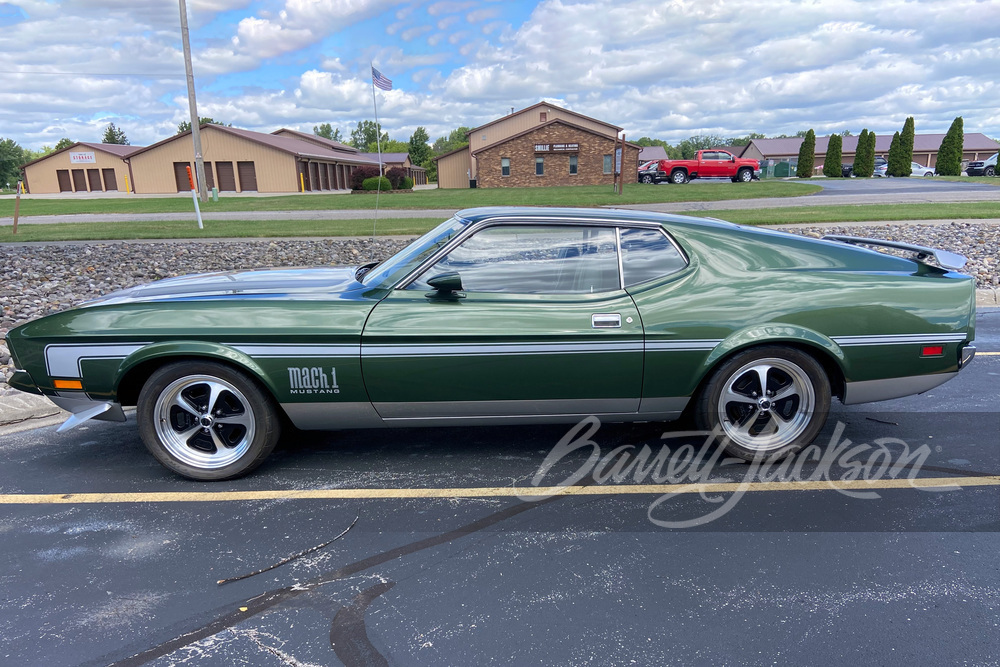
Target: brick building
(541, 145)
(554, 153)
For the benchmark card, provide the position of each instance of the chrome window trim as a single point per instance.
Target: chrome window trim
(474, 228)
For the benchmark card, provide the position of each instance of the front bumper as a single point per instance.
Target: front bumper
(975, 171)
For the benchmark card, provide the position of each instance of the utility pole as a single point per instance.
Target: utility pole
(199, 160)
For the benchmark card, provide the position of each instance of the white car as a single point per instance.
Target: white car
(920, 170)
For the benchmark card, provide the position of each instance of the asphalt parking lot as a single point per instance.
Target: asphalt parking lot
(107, 558)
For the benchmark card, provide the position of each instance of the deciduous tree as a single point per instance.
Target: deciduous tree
(367, 132)
(11, 159)
(327, 131)
(65, 142)
(420, 150)
(184, 126)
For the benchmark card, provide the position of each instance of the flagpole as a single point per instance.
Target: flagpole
(378, 145)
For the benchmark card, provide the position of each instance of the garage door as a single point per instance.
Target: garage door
(227, 179)
(181, 176)
(79, 181)
(110, 181)
(94, 178)
(248, 176)
(63, 176)
(209, 177)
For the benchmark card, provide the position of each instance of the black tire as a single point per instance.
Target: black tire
(647, 178)
(744, 175)
(990, 171)
(678, 176)
(765, 427)
(207, 421)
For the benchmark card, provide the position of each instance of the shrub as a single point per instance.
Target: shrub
(864, 156)
(807, 155)
(834, 150)
(373, 183)
(360, 174)
(406, 183)
(906, 142)
(949, 161)
(895, 166)
(395, 176)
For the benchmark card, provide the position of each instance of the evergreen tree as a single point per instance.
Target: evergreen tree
(807, 155)
(861, 156)
(906, 142)
(895, 168)
(949, 160)
(114, 135)
(832, 163)
(65, 142)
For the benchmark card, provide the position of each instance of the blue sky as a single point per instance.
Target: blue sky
(669, 69)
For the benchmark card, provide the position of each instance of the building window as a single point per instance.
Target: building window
(543, 116)
(572, 164)
(539, 166)
(607, 164)
(505, 166)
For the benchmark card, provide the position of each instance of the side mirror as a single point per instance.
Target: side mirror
(447, 285)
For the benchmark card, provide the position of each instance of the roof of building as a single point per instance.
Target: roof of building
(545, 104)
(118, 150)
(452, 152)
(388, 157)
(286, 144)
(922, 143)
(554, 121)
(647, 153)
(316, 139)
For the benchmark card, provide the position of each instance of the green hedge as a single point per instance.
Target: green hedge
(373, 183)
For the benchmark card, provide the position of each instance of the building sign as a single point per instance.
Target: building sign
(82, 158)
(557, 148)
(618, 160)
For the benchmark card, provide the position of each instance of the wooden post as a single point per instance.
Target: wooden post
(17, 205)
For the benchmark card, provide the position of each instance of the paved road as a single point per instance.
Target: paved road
(835, 192)
(786, 576)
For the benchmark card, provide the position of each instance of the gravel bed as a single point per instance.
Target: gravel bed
(40, 279)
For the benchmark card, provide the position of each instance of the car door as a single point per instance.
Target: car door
(542, 326)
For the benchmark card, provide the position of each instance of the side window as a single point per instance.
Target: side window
(648, 254)
(572, 164)
(505, 166)
(607, 164)
(533, 259)
(539, 166)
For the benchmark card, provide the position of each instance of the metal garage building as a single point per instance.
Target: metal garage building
(82, 167)
(245, 161)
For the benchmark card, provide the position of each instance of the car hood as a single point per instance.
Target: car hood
(321, 281)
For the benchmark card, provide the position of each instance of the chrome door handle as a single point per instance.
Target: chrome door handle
(606, 321)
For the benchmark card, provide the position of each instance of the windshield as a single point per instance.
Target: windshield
(392, 270)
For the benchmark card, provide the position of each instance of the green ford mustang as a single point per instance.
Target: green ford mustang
(509, 315)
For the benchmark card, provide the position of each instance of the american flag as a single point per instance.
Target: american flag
(380, 81)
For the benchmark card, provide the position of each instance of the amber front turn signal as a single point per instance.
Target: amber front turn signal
(68, 384)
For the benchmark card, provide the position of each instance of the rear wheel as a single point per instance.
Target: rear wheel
(767, 402)
(745, 175)
(206, 421)
(678, 176)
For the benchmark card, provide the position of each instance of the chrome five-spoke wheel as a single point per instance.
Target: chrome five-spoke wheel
(766, 402)
(205, 420)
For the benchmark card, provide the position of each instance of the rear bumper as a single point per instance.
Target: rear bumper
(870, 391)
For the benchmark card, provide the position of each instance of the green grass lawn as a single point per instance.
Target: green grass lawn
(588, 195)
(410, 226)
(970, 179)
(84, 231)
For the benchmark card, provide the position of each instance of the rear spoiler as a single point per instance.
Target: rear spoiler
(948, 260)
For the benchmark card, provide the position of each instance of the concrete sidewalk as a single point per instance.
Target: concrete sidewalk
(331, 215)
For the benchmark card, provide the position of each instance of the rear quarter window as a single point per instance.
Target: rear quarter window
(647, 254)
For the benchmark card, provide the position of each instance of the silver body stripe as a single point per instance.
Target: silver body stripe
(291, 351)
(498, 349)
(667, 345)
(899, 339)
(63, 360)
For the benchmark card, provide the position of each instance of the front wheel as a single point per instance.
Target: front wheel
(206, 421)
(990, 171)
(678, 176)
(766, 402)
(745, 175)
(647, 178)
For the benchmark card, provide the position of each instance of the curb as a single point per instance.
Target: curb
(988, 297)
(21, 411)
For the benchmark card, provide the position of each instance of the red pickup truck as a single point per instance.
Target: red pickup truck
(706, 164)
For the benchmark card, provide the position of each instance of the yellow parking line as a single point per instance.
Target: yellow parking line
(486, 492)
(988, 354)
